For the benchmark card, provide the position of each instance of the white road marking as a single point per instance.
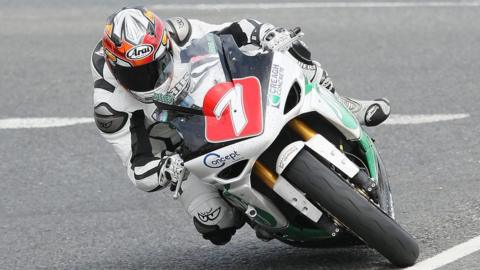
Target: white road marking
(396, 119)
(16, 123)
(449, 255)
(292, 5)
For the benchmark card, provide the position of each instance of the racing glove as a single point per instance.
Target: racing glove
(172, 170)
(274, 38)
(280, 39)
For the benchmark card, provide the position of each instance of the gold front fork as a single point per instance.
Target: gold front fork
(302, 129)
(265, 174)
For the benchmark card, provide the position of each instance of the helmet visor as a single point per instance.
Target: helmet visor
(145, 77)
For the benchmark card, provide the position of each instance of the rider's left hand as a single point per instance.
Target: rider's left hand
(274, 38)
(173, 169)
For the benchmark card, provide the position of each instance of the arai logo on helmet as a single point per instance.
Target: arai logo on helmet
(140, 51)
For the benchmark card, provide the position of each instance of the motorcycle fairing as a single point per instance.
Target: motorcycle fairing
(206, 159)
(327, 104)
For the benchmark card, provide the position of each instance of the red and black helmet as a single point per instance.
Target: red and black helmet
(137, 50)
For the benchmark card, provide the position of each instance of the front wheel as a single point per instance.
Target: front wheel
(354, 211)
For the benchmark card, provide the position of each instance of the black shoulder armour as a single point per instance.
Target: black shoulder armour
(179, 29)
(98, 59)
(109, 120)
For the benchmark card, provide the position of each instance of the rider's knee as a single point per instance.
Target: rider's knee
(213, 217)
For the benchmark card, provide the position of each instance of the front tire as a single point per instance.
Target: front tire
(384, 190)
(354, 211)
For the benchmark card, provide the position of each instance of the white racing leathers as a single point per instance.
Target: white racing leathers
(139, 133)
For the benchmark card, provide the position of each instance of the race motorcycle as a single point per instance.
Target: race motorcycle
(285, 152)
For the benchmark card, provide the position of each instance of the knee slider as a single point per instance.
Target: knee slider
(213, 233)
(212, 210)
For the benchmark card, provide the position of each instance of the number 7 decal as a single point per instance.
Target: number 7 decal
(234, 100)
(233, 110)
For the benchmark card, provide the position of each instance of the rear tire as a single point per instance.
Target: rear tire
(358, 214)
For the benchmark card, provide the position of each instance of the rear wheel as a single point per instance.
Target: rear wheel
(354, 211)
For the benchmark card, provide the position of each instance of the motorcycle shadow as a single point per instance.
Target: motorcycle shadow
(286, 257)
(251, 255)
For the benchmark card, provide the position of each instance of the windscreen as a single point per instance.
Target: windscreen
(227, 96)
(203, 58)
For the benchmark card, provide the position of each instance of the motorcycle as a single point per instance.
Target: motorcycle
(285, 152)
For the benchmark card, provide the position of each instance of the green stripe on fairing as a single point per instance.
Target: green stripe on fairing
(368, 146)
(308, 86)
(265, 218)
(345, 116)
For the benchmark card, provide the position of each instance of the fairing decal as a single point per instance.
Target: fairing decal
(368, 146)
(233, 110)
(326, 104)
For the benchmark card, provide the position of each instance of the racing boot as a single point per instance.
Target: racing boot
(215, 233)
(212, 216)
(368, 112)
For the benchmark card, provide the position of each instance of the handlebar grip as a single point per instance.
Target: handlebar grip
(295, 31)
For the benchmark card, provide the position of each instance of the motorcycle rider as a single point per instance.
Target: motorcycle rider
(138, 57)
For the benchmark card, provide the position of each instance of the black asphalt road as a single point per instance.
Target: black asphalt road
(66, 202)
